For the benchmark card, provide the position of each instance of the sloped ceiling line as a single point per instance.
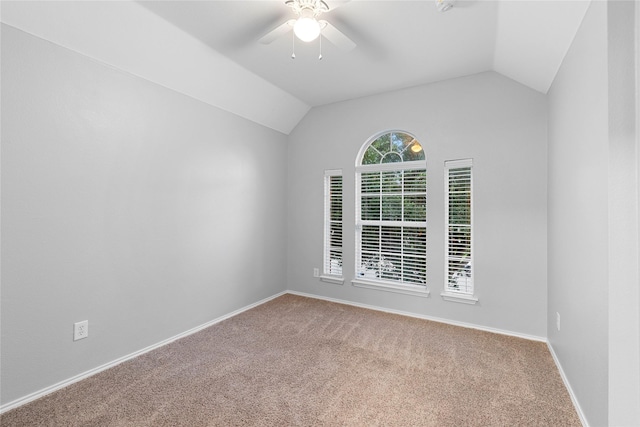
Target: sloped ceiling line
(533, 37)
(188, 46)
(131, 38)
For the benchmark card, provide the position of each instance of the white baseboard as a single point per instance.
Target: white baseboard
(574, 399)
(425, 317)
(47, 390)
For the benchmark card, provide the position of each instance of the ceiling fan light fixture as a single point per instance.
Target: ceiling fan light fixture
(306, 28)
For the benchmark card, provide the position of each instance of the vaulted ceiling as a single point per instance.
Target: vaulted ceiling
(399, 43)
(209, 49)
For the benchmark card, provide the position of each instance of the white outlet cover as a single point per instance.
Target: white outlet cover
(80, 330)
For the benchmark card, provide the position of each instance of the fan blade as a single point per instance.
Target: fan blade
(336, 37)
(277, 32)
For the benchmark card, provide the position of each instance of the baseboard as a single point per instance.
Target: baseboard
(38, 394)
(574, 399)
(425, 317)
(47, 390)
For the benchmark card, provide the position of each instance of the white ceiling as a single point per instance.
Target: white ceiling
(399, 43)
(209, 50)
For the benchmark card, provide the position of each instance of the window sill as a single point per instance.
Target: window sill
(456, 297)
(332, 279)
(414, 290)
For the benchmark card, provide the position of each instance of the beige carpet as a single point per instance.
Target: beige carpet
(297, 361)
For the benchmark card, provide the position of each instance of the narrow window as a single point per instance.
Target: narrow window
(332, 223)
(391, 214)
(459, 237)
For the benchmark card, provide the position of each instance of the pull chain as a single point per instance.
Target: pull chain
(320, 56)
(293, 45)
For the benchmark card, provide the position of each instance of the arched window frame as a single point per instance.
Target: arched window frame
(398, 262)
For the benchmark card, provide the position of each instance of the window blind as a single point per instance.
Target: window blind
(458, 213)
(391, 225)
(332, 264)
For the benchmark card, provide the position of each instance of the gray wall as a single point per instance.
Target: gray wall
(140, 209)
(577, 220)
(593, 216)
(624, 288)
(487, 117)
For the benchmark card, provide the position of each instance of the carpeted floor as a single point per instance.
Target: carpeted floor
(297, 361)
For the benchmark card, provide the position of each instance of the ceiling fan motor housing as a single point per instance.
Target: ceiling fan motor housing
(308, 7)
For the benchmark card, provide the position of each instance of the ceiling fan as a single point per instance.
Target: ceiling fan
(307, 27)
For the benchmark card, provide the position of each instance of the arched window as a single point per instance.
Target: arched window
(391, 212)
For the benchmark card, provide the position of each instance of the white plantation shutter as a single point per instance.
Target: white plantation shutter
(458, 211)
(391, 212)
(332, 264)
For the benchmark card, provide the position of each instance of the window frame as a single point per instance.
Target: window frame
(449, 293)
(404, 166)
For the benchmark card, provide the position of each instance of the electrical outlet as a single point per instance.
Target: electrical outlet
(558, 321)
(80, 330)
(316, 272)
